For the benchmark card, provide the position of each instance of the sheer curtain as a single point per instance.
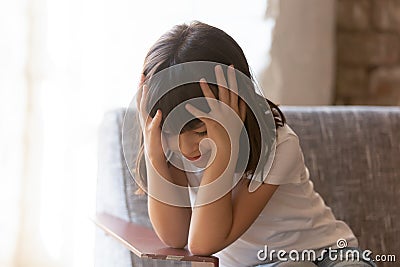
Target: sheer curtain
(302, 54)
(63, 64)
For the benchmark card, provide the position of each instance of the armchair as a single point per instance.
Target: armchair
(352, 153)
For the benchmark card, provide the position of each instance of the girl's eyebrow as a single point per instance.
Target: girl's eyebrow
(199, 124)
(198, 127)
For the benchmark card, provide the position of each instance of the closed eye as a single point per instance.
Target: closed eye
(202, 133)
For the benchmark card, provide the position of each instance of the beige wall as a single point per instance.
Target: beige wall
(302, 53)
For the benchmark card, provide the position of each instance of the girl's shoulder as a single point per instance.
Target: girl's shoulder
(284, 133)
(288, 165)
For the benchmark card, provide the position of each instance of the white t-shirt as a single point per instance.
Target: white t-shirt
(295, 218)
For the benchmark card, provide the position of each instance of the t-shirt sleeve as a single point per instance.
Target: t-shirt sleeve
(288, 164)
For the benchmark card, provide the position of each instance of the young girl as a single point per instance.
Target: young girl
(240, 227)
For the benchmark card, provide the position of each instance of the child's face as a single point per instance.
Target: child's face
(189, 143)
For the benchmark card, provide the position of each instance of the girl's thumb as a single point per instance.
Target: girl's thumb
(156, 119)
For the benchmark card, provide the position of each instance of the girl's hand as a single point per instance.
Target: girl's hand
(150, 126)
(223, 112)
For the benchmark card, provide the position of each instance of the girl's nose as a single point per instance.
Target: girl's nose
(189, 146)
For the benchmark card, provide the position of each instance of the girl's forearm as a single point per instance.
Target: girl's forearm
(211, 223)
(210, 226)
(171, 223)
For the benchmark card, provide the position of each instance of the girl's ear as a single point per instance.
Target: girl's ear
(242, 110)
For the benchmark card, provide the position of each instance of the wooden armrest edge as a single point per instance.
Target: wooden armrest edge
(143, 242)
(120, 239)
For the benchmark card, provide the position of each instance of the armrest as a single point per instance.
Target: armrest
(144, 242)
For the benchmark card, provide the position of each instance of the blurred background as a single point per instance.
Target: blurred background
(63, 64)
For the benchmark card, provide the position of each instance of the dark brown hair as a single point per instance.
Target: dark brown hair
(198, 41)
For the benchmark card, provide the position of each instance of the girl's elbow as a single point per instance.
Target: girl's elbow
(203, 246)
(174, 243)
(201, 249)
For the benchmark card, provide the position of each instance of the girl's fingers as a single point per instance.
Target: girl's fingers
(206, 91)
(143, 98)
(142, 78)
(157, 119)
(139, 95)
(223, 92)
(233, 87)
(145, 116)
(242, 110)
(195, 112)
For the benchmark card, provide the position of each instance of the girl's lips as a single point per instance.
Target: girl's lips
(205, 155)
(194, 158)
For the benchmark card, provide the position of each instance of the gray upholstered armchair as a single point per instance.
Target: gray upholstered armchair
(353, 155)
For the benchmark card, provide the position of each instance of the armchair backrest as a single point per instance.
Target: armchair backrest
(353, 155)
